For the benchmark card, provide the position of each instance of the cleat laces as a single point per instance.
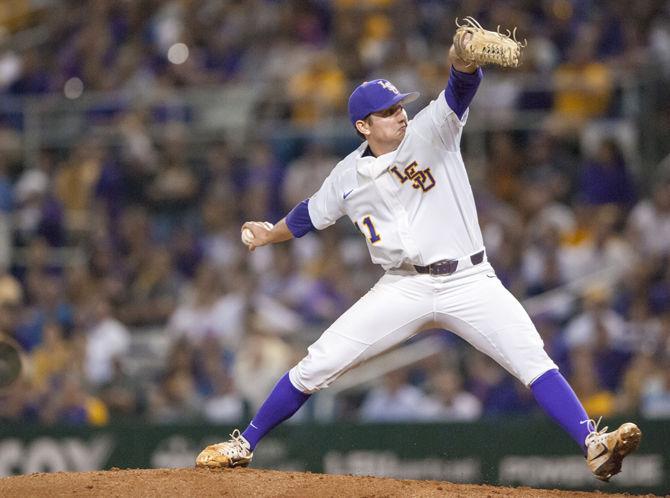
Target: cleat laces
(595, 435)
(236, 447)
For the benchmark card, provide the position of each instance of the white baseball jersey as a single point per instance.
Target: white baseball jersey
(414, 205)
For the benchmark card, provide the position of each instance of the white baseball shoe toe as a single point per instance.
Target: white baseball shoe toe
(606, 450)
(235, 452)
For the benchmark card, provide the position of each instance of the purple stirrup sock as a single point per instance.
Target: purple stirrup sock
(282, 403)
(559, 401)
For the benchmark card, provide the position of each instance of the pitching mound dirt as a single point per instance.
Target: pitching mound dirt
(247, 483)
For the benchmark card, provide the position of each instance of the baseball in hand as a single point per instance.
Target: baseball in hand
(248, 235)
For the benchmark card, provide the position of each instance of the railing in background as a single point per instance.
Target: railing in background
(234, 111)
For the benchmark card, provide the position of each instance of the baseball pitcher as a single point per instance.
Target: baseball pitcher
(407, 190)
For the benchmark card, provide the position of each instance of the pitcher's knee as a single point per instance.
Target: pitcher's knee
(310, 375)
(327, 359)
(536, 369)
(304, 381)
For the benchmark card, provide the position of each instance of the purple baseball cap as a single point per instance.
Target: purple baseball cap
(373, 96)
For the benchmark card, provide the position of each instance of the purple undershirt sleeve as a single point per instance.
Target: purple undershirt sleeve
(298, 220)
(461, 88)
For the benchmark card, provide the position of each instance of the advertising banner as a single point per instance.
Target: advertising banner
(517, 453)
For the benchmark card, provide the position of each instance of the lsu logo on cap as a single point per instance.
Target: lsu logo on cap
(389, 86)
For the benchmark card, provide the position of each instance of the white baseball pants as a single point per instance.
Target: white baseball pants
(472, 303)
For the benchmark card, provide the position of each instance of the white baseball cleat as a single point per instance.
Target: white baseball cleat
(606, 450)
(236, 452)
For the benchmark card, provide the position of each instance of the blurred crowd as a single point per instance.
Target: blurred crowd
(306, 53)
(103, 240)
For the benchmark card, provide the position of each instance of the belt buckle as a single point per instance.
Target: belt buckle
(449, 266)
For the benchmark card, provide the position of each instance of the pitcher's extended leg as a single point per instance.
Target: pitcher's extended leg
(484, 313)
(394, 310)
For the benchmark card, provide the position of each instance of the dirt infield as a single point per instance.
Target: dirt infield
(248, 483)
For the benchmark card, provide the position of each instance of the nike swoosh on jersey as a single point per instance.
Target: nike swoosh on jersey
(344, 196)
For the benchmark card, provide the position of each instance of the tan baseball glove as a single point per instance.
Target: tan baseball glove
(476, 45)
